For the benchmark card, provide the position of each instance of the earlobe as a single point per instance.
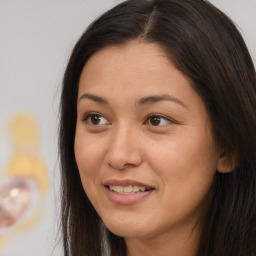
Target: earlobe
(226, 163)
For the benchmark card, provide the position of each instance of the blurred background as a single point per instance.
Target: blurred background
(36, 38)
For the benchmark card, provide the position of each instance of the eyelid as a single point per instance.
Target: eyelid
(89, 114)
(169, 119)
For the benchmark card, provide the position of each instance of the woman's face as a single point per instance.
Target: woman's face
(143, 145)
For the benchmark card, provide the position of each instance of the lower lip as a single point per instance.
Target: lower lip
(126, 198)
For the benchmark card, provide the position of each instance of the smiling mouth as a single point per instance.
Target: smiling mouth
(131, 189)
(127, 192)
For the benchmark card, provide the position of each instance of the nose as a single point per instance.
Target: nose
(123, 150)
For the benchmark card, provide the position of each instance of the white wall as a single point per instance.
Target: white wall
(36, 38)
(243, 13)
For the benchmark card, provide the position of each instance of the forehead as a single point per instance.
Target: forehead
(135, 67)
(133, 51)
(132, 64)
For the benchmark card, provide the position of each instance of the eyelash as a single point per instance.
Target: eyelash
(151, 116)
(91, 114)
(158, 116)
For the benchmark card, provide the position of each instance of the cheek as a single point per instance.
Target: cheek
(88, 158)
(191, 150)
(186, 167)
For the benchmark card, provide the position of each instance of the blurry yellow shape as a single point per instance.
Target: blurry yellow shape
(23, 129)
(27, 162)
(33, 167)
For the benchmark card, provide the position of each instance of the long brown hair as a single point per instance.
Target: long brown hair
(205, 45)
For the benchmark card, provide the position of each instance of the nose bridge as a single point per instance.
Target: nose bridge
(124, 147)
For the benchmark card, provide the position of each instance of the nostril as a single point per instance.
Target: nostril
(123, 160)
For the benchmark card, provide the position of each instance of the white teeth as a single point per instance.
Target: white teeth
(136, 189)
(119, 189)
(126, 189)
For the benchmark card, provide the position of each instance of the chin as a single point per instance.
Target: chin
(128, 233)
(126, 228)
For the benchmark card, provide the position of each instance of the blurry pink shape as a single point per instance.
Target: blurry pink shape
(18, 200)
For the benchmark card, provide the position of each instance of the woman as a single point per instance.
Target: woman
(157, 134)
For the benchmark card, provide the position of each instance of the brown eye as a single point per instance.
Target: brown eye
(95, 119)
(156, 120)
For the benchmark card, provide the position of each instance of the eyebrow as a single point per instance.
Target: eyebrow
(156, 98)
(143, 101)
(94, 98)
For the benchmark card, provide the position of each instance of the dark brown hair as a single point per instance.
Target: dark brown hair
(206, 46)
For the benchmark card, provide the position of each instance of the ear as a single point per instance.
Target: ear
(227, 162)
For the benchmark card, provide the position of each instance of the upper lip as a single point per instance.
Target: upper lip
(126, 182)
